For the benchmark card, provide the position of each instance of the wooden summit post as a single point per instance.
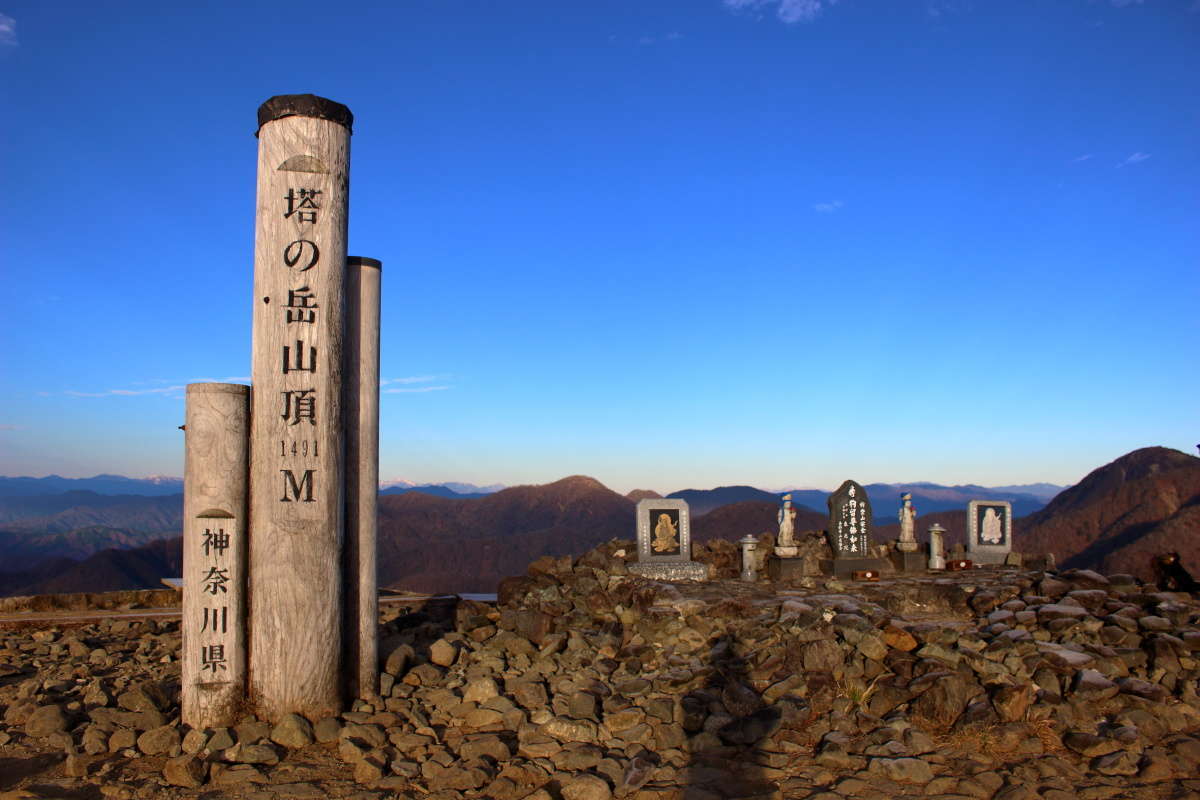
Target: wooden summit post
(297, 442)
(362, 477)
(216, 460)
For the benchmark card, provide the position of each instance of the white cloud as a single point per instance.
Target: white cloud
(1083, 157)
(1136, 158)
(175, 389)
(789, 11)
(1123, 3)
(11, 428)
(8, 31)
(416, 389)
(415, 379)
(828, 208)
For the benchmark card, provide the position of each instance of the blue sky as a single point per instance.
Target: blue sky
(665, 243)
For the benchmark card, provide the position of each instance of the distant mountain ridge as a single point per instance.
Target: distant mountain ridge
(437, 490)
(885, 498)
(153, 486)
(1143, 503)
(460, 489)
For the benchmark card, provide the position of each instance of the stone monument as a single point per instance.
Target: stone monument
(850, 531)
(749, 557)
(664, 538)
(937, 554)
(906, 558)
(989, 531)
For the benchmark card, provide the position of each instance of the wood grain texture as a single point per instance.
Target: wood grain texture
(297, 432)
(362, 477)
(215, 478)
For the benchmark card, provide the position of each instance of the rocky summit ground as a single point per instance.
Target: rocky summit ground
(585, 683)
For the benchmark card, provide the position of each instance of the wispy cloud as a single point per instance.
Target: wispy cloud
(11, 428)
(173, 389)
(415, 389)
(1123, 3)
(8, 31)
(789, 11)
(1083, 157)
(415, 384)
(828, 208)
(414, 379)
(1136, 158)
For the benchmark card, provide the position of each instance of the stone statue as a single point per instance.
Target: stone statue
(908, 518)
(785, 542)
(664, 535)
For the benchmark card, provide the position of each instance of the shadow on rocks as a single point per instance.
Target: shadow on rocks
(727, 721)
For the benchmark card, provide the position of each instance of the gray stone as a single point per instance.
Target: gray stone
(372, 735)
(905, 770)
(586, 787)
(570, 730)
(221, 739)
(95, 740)
(122, 739)
(442, 653)
(46, 720)
(480, 690)
(253, 754)
(187, 771)
(159, 741)
(327, 730)
(293, 732)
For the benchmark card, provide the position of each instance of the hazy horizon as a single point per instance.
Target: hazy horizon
(388, 482)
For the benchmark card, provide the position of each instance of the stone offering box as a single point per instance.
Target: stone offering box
(664, 537)
(989, 531)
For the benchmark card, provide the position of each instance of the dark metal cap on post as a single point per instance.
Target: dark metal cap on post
(363, 261)
(304, 105)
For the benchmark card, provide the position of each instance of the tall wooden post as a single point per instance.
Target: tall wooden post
(215, 473)
(362, 476)
(297, 444)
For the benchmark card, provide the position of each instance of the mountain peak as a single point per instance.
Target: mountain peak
(1132, 466)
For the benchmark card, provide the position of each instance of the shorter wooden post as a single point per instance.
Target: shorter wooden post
(216, 473)
(361, 404)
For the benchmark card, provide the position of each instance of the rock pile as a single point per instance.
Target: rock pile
(585, 683)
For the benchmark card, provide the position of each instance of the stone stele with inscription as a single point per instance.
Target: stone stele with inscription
(989, 531)
(664, 538)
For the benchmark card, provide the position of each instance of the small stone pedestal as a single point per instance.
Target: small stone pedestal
(670, 571)
(844, 567)
(787, 569)
(905, 561)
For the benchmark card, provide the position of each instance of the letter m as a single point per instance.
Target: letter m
(295, 488)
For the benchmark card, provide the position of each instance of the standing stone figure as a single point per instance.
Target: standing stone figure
(785, 543)
(908, 517)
